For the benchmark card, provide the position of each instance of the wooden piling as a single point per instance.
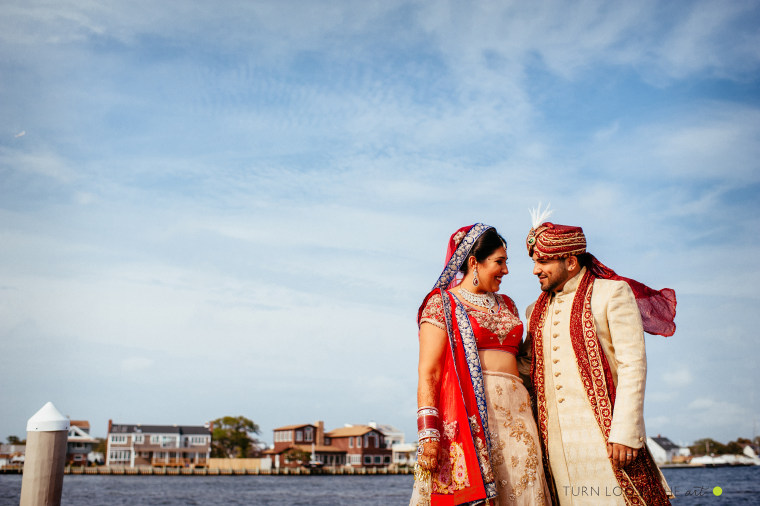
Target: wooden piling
(47, 432)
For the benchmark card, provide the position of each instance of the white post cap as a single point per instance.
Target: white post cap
(47, 419)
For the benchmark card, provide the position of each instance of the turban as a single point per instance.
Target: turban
(657, 307)
(550, 241)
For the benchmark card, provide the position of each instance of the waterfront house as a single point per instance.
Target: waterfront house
(751, 451)
(293, 441)
(158, 445)
(364, 445)
(11, 455)
(352, 445)
(402, 453)
(392, 434)
(665, 451)
(80, 443)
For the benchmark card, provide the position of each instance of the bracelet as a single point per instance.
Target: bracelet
(428, 435)
(427, 422)
(427, 418)
(427, 410)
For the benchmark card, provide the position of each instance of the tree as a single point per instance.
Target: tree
(14, 440)
(297, 455)
(232, 438)
(707, 446)
(734, 448)
(102, 446)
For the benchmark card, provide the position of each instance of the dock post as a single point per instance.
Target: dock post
(46, 435)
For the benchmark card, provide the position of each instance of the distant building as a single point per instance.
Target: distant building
(80, 443)
(402, 453)
(304, 439)
(751, 450)
(11, 455)
(665, 451)
(158, 445)
(364, 445)
(352, 445)
(392, 434)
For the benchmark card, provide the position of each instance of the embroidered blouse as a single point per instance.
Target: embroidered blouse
(498, 331)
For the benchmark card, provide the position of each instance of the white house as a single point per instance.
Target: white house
(663, 449)
(158, 445)
(80, 443)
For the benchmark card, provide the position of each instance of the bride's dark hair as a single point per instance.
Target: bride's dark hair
(488, 242)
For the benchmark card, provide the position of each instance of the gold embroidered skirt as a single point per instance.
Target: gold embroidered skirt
(515, 446)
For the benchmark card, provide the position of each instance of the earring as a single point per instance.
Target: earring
(475, 281)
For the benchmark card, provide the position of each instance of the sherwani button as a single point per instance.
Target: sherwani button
(555, 335)
(555, 348)
(557, 374)
(557, 311)
(559, 387)
(561, 400)
(556, 323)
(555, 360)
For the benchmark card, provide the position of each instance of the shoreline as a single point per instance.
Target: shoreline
(164, 471)
(202, 471)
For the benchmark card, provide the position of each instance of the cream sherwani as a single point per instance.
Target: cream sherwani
(577, 450)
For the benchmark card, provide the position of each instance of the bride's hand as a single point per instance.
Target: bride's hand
(428, 457)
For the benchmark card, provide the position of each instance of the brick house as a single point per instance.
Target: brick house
(80, 443)
(354, 445)
(158, 445)
(364, 445)
(309, 438)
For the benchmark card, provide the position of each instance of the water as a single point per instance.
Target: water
(94, 490)
(740, 485)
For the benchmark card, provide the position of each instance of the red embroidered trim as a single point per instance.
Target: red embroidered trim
(592, 362)
(536, 329)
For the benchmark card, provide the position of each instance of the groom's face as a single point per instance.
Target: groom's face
(552, 274)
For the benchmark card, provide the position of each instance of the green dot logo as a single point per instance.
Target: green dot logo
(717, 491)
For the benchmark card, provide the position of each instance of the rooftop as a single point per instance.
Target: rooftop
(353, 430)
(160, 429)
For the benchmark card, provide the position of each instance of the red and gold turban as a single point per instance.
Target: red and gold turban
(657, 307)
(550, 241)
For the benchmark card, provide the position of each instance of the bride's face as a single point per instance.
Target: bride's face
(492, 269)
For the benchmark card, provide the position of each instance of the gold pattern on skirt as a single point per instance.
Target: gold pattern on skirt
(515, 450)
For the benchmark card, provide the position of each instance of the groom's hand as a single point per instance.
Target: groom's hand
(621, 455)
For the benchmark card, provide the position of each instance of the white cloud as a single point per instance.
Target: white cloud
(289, 182)
(715, 413)
(136, 364)
(43, 162)
(702, 40)
(678, 378)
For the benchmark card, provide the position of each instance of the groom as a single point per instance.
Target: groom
(585, 346)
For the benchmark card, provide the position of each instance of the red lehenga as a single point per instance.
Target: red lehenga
(490, 451)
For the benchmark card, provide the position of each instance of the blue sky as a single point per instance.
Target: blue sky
(211, 210)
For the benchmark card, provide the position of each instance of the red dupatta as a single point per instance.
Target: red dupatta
(464, 474)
